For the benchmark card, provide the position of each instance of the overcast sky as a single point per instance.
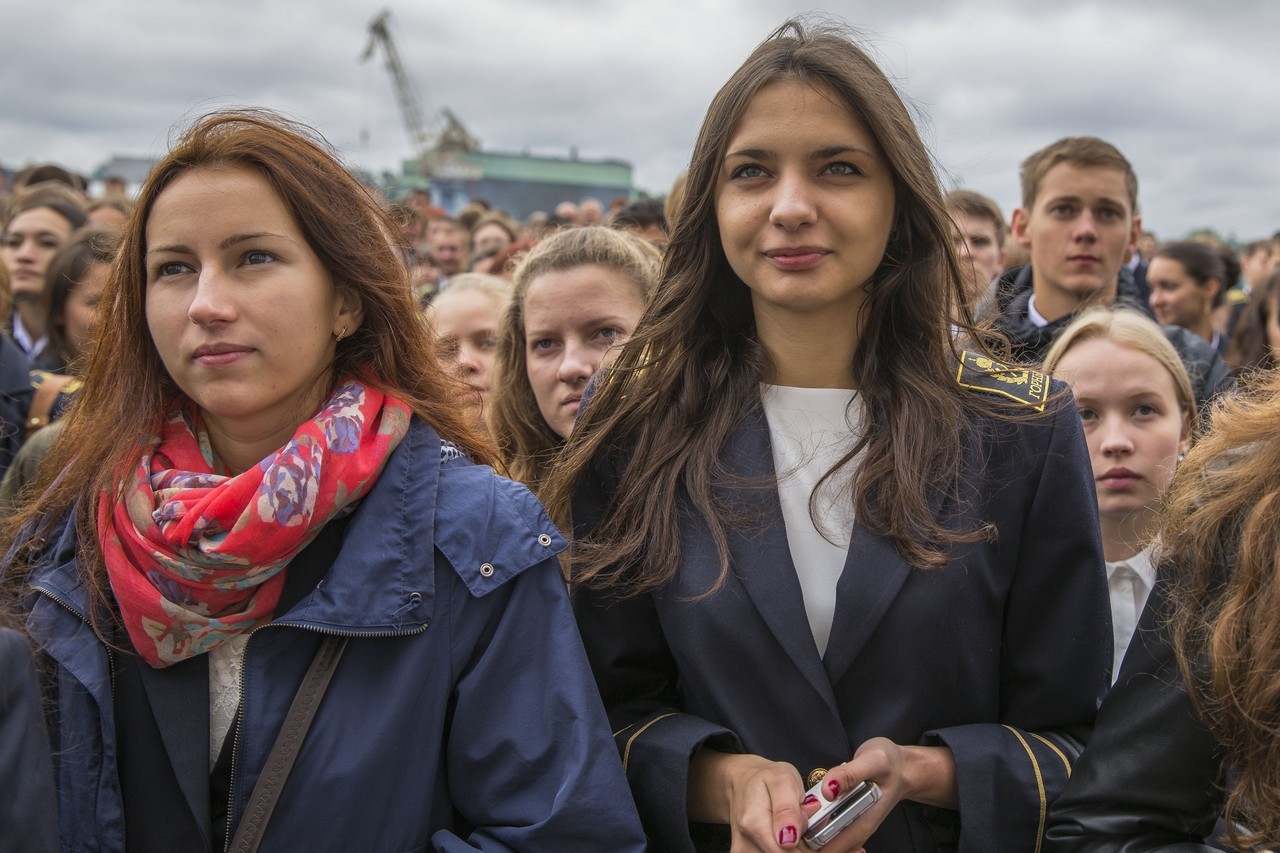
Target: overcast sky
(1186, 88)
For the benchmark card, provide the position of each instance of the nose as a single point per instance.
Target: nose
(1086, 228)
(213, 302)
(1114, 437)
(579, 362)
(468, 364)
(793, 203)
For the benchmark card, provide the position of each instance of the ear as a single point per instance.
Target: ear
(350, 311)
(1018, 226)
(1134, 234)
(1211, 288)
(1184, 443)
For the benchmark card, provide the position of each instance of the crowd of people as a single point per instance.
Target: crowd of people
(336, 522)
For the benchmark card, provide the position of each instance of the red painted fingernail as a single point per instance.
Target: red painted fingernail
(833, 789)
(810, 798)
(787, 835)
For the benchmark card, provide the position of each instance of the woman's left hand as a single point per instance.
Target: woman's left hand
(923, 774)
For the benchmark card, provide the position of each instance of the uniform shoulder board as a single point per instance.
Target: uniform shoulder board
(1021, 384)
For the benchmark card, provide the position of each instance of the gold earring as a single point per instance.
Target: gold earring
(342, 334)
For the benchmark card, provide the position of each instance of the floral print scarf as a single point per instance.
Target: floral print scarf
(195, 558)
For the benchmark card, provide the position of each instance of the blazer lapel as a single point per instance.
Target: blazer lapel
(873, 576)
(762, 555)
(180, 702)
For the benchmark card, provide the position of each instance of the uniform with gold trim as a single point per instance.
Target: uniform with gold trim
(1001, 655)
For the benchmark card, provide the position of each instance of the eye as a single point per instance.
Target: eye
(610, 334)
(747, 172)
(1061, 210)
(253, 257)
(488, 343)
(171, 268)
(842, 169)
(12, 241)
(541, 345)
(1087, 415)
(1145, 410)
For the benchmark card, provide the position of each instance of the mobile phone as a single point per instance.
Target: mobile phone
(834, 815)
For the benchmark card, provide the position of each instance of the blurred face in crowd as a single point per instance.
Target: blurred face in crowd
(976, 240)
(490, 236)
(1256, 265)
(1177, 299)
(1079, 231)
(243, 313)
(466, 321)
(447, 251)
(571, 320)
(1133, 423)
(29, 243)
(80, 314)
(107, 216)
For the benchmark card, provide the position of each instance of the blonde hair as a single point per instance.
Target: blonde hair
(1131, 329)
(525, 441)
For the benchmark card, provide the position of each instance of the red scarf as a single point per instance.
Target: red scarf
(195, 558)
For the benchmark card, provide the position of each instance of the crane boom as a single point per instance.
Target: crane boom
(410, 110)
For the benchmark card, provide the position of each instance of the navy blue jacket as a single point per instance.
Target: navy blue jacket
(462, 716)
(1001, 655)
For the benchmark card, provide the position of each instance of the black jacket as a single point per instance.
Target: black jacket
(1030, 343)
(1151, 778)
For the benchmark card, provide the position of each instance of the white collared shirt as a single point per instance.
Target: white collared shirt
(1129, 582)
(1037, 319)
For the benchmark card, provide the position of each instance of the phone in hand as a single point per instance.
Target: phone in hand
(834, 815)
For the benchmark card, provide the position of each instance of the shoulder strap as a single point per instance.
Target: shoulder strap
(262, 802)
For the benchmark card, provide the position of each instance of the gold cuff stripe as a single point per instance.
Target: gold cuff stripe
(626, 753)
(1035, 765)
(1056, 751)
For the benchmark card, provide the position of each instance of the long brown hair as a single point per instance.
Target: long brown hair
(677, 389)
(1222, 541)
(525, 441)
(127, 391)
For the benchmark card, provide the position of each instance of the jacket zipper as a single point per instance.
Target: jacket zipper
(70, 608)
(239, 719)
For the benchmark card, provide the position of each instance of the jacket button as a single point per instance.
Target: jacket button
(544, 540)
(816, 775)
(486, 569)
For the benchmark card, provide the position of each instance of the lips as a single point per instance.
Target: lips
(220, 354)
(1084, 259)
(796, 257)
(573, 400)
(1119, 479)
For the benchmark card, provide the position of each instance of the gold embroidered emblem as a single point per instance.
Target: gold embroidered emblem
(1017, 383)
(817, 775)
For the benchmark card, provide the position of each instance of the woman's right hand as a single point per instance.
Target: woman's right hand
(762, 801)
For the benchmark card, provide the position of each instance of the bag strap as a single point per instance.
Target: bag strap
(262, 802)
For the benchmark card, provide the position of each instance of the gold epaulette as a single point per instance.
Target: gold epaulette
(1025, 386)
(65, 384)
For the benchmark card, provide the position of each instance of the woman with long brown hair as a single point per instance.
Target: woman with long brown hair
(265, 541)
(1191, 730)
(810, 536)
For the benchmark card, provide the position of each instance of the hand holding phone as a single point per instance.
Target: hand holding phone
(834, 815)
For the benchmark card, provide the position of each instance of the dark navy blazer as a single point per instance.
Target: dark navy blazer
(1000, 655)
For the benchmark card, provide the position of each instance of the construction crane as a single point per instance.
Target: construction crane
(424, 138)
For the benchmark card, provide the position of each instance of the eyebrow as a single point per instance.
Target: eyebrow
(225, 244)
(820, 154)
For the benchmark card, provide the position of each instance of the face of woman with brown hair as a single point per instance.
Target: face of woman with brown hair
(243, 313)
